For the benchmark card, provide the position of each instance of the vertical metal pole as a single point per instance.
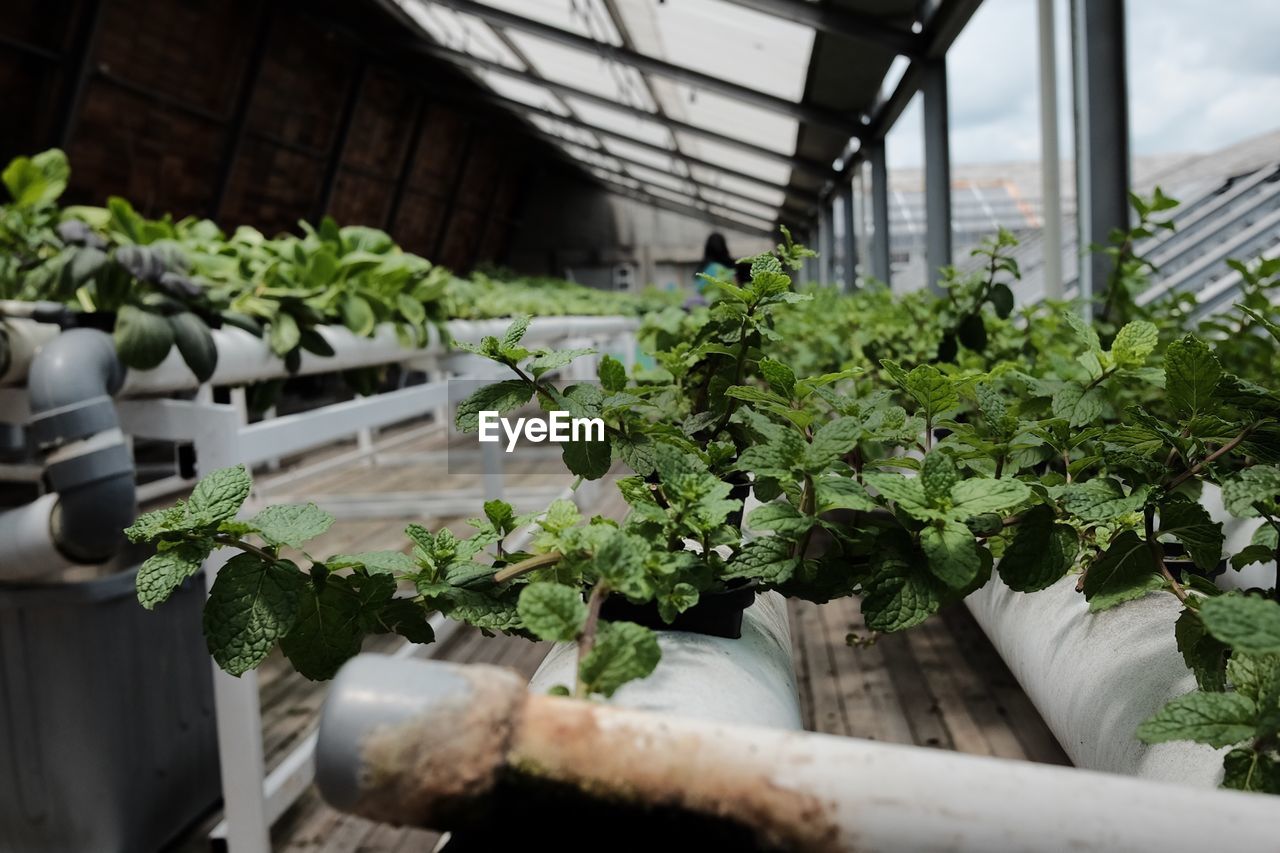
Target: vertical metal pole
(879, 212)
(455, 185)
(850, 239)
(240, 111)
(1102, 135)
(340, 143)
(1050, 179)
(826, 243)
(79, 69)
(406, 167)
(937, 171)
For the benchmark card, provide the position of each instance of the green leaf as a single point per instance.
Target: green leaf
(623, 652)
(411, 309)
(780, 517)
(934, 392)
(590, 460)
(1078, 405)
(284, 334)
(832, 441)
(502, 397)
(1001, 298)
(1190, 524)
(1247, 623)
(938, 475)
(357, 315)
(1101, 500)
(1255, 676)
(1256, 485)
(952, 553)
(1125, 572)
(408, 619)
(620, 562)
(556, 359)
(1042, 551)
(781, 379)
(907, 494)
(195, 342)
(251, 605)
(1216, 719)
(972, 333)
(164, 572)
(1203, 655)
(552, 611)
(1134, 343)
(143, 338)
(978, 496)
(841, 493)
(327, 632)
(1192, 374)
(375, 562)
(291, 524)
(895, 599)
(38, 180)
(768, 559)
(218, 496)
(1246, 769)
(152, 525)
(613, 375)
(515, 332)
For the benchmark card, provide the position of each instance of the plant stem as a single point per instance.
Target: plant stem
(587, 639)
(520, 568)
(1211, 458)
(808, 506)
(247, 547)
(1157, 554)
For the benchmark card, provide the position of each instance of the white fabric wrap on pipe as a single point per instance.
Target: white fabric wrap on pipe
(750, 680)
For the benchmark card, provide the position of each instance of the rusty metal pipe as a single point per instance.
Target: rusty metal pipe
(426, 743)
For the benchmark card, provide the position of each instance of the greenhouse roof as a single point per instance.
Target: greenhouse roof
(747, 110)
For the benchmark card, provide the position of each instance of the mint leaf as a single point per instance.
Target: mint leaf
(408, 619)
(678, 599)
(1080, 406)
(218, 496)
(1190, 524)
(952, 553)
(841, 493)
(1246, 769)
(291, 524)
(1256, 486)
(612, 373)
(152, 525)
(1216, 719)
(1203, 655)
(556, 359)
(620, 562)
(375, 562)
(590, 460)
(327, 632)
(975, 497)
(500, 397)
(1101, 500)
(781, 379)
(552, 611)
(1255, 676)
(1192, 374)
(1134, 343)
(894, 599)
(780, 517)
(1042, 551)
(164, 572)
(515, 332)
(1247, 623)
(251, 605)
(907, 494)
(768, 559)
(937, 475)
(1125, 572)
(832, 441)
(623, 651)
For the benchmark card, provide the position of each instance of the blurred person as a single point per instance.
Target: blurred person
(716, 263)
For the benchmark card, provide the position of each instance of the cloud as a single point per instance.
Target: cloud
(1201, 76)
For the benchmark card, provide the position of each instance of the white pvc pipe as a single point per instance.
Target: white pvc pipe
(28, 551)
(423, 743)
(25, 337)
(748, 681)
(1237, 533)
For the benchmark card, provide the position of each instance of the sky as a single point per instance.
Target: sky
(1202, 75)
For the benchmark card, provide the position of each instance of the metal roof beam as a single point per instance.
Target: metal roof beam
(652, 65)
(810, 167)
(685, 209)
(622, 137)
(855, 26)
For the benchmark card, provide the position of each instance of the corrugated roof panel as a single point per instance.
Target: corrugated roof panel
(737, 185)
(643, 155)
(731, 117)
(584, 17)
(460, 31)
(734, 158)
(620, 122)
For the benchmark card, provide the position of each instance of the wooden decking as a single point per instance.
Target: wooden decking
(939, 685)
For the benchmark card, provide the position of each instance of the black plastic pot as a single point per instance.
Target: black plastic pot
(717, 614)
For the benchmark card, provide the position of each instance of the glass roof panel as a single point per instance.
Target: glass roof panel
(644, 155)
(737, 185)
(583, 70)
(734, 158)
(460, 31)
(731, 117)
(564, 131)
(522, 91)
(658, 177)
(633, 127)
(584, 17)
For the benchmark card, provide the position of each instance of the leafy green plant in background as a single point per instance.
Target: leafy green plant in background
(764, 453)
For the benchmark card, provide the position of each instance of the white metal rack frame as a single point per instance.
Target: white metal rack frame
(221, 436)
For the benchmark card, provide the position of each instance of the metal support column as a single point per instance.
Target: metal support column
(1102, 134)
(1050, 178)
(850, 266)
(240, 112)
(937, 171)
(826, 242)
(79, 67)
(334, 165)
(879, 212)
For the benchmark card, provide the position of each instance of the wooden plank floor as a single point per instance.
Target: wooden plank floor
(939, 685)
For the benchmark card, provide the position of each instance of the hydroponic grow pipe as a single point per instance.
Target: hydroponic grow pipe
(749, 680)
(427, 743)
